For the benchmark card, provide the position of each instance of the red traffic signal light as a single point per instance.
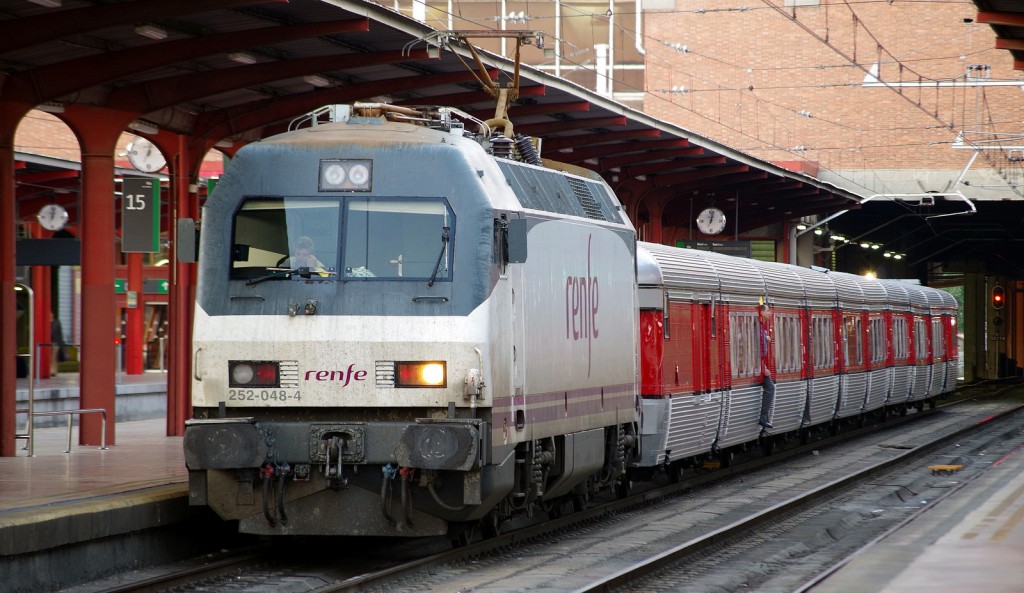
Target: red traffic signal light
(998, 297)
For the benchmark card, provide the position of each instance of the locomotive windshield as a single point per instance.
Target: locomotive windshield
(346, 239)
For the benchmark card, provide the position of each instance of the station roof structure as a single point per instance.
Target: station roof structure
(1007, 20)
(235, 71)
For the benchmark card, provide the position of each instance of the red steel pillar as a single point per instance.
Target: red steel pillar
(182, 296)
(10, 115)
(98, 131)
(41, 291)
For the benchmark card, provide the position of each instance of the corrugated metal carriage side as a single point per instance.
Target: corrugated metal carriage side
(899, 319)
(786, 296)
(743, 287)
(853, 307)
(920, 343)
(682, 408)
(878, 370)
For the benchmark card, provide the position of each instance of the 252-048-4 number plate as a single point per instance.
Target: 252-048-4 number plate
(263, 395)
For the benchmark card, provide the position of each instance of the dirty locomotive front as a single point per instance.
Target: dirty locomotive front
(407, 325)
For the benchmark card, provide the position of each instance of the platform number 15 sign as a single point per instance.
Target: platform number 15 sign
(140, 215)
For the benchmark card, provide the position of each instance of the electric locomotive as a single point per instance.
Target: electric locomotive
(401, 329)
(407, 327)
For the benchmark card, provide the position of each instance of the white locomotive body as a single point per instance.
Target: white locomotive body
(457, 344)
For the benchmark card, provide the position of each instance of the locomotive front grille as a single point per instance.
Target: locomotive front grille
(385, 374)
(289, 373)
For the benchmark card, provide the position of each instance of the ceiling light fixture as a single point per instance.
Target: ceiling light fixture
(143, 127)
(242, 57)
(152, 31)
(316, 80)
(51, 107)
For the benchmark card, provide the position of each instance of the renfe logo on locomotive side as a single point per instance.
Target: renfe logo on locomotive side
(581, 307)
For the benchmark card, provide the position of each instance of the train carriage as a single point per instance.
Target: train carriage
(952, 343)
(852, 314)
(821, 352)
(682, 359)
(877, 345)
(921, 344)
(899, 320)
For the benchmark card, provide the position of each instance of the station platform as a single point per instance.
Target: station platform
(972, 540)
(56, 498)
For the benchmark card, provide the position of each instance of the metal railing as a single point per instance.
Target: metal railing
(70, 414)
(32, 357)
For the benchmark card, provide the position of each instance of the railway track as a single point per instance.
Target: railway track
(699, 521)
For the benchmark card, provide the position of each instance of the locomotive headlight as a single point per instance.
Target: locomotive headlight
(346, 175)
(359, 174)
(242, 374)
(253, 373)
(421, 374)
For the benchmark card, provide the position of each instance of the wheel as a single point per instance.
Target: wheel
(726, 458)
(462, 537)
(490, 526)
(579, 502)
(675, 472)
(623, 487)
(768, 445)
(805, 436)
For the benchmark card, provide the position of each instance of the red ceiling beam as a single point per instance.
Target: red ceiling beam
(50, 82)
(469, 97)
(698, 175)
(52, 25)
(173, 90)
(729, 182)
(1007, 43)
(647, 156)
(624, 146)
(213, 126)
(1013, 19)
(553, 127)
(675, 165)
(591, 140)
(46, 176)
(776, 184)
(516, 111)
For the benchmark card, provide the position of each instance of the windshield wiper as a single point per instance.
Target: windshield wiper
(284, 273)
(444, 245)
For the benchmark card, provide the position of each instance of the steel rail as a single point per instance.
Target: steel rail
(629, 575)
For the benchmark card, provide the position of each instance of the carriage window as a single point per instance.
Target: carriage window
(876, 327)
(269, 233)
(822, 332)
(900, 338)
(853, 340)
(744, 344)
(938, 340)
(788, 343)
(921, 340)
